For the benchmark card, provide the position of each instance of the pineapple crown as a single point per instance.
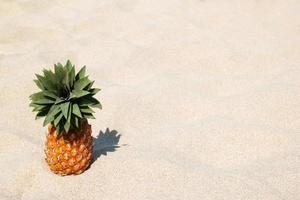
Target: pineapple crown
(65, 99)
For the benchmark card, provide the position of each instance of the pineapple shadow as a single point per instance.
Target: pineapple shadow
(107, 141)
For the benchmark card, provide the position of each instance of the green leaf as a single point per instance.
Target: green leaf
(46, 82)
(98, 105)
(89, 86)
(49, 94)
(81, 73)
(94, 90)
(39, 107)
(50, 116)
(69, 113)
(79, 93)
(75, 123)
(36, 96)
(81, 83)
(67, 126)
(60, 127)
(39, 84)
(44, 101)
(65, 109)
(51, 78)
(89, 101)
(57, 119)
(41, 114)
(59, 100)
(70, 73)
(59, 74)
(89, 116)
(42, 95)
(58, 69)
(41, 79)
(69, 65)
(87, 110)
(72, 77)
(76, 110)
(66, 82)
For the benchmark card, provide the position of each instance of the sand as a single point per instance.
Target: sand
(201, 98)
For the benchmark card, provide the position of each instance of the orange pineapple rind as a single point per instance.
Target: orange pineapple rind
(69, 153)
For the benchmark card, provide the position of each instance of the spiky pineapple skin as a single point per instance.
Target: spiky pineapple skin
(70, 153)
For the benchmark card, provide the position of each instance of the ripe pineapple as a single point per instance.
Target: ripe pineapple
(66, 102)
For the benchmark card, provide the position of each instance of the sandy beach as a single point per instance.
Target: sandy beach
(200, 98)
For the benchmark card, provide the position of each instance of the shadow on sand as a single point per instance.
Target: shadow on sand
(106, 142)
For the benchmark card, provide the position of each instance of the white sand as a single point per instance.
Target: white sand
(205, 95)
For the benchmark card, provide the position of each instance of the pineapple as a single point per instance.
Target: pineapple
(66, 101)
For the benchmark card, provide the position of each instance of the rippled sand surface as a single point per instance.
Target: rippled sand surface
(205, 95)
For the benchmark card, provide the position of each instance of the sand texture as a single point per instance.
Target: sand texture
(201, 98)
